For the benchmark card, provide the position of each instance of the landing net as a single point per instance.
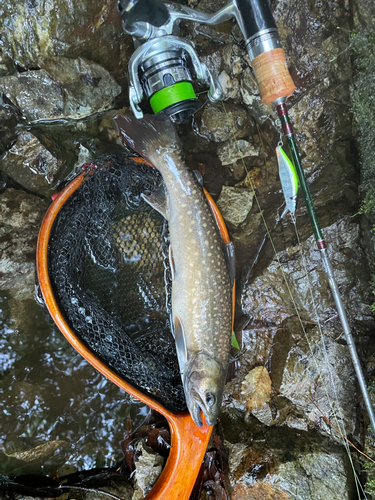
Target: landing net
(109, 270)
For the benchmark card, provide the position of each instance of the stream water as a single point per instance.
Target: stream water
(50, 396)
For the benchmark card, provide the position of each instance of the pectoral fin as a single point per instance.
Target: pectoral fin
(230, 258)
(179, 336)
(158, 200)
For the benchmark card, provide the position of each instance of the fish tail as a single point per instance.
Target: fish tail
(150, 136)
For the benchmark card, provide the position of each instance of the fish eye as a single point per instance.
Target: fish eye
(210, 399)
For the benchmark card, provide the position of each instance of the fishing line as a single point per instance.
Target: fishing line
(304, 263)
(294, 303)
(327, 360)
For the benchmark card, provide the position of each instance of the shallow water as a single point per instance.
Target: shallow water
(50, 393)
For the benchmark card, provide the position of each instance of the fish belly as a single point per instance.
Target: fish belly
(201, 294)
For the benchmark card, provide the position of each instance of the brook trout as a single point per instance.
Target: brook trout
(201, 283)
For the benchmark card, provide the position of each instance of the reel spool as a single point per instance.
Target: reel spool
(166, 79)
(79, 265)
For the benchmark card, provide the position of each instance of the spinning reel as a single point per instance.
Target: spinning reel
(164, 66)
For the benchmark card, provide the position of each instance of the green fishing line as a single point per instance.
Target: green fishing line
(181, 91)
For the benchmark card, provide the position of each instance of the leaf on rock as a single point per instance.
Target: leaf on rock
(256, 388)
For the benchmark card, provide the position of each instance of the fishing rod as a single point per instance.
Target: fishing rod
(266, 62)
(161, 71)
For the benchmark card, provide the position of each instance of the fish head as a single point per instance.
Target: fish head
(203, 384)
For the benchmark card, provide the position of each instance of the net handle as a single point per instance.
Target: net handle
(188, 442)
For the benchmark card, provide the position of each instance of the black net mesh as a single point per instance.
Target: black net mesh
(108, 264)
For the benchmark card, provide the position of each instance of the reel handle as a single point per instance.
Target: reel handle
(147, 11)
(265, 51)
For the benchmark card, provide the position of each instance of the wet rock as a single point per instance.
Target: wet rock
(3, 66)
(21, 215)
(3, 181)
(369, 447)
(263, 491)
(229, 86)
(235, 60)
(213, 62)
(304, 38)
(250, 96)
(210, 5)
(89, 87)
(345, 250)
(32, 165)
(313, 363)
(307, 279)
(269, 303)
(147, 470)
(284, 470)
(264, 414)
(324, 475)
(65, 470)
(208, 40)
(315, 366)
(108, 129)
(35, 93)
(321, 126)
(364, 13)
(235, 204)
(252, 179)
(63, 89)
(306, 365)
(31, 32)
(26, 497)
(218, 124)
(231, 151)
(119, 489)
(9, 118)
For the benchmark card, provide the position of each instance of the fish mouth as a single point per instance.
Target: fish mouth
(196, 405)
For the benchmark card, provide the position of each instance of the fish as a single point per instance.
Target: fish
(202, 283)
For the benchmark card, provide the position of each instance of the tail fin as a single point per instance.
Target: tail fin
(150, 136)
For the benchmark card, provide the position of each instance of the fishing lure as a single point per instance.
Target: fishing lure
(289, 181)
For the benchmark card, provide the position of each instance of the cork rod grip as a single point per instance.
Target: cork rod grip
(273, 76)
